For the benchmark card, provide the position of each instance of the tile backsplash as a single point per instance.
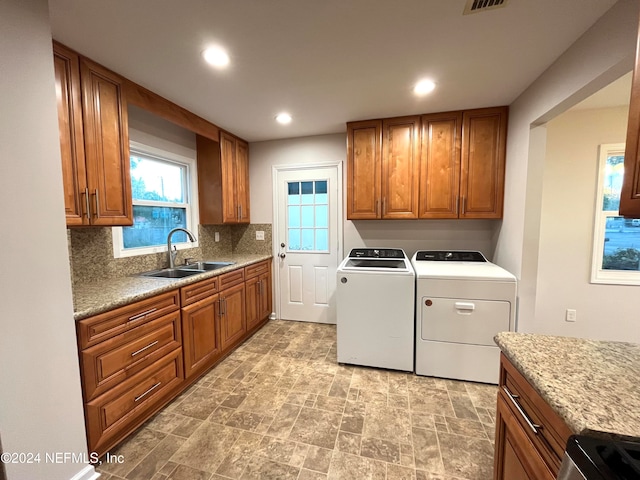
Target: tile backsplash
(91, 250)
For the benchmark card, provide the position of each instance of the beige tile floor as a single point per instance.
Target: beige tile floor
(280, 407)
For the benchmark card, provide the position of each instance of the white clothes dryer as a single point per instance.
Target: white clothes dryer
(462, 301)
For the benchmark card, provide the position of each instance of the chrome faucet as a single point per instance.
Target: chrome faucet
(172, 255)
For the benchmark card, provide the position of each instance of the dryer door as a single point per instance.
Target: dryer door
(463, 320)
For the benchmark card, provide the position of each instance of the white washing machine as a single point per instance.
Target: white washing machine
(462, 301)
(375, 302)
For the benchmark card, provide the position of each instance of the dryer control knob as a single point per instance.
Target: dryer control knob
(428, 303)
(343, 280)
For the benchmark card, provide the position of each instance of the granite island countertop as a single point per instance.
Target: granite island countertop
(594, 386)
(104, 295)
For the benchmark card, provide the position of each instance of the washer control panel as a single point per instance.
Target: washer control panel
(449, 256)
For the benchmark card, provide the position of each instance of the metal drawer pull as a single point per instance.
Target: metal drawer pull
(513, 397)
(140, 397)
(143, 314)
(144, 348)
(86, 201)
(97, 203)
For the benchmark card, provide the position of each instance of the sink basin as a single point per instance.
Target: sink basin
(172, 273)
(206, 266)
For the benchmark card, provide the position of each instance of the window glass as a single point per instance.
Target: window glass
(152, 225)
(158, 180)
(616, 248)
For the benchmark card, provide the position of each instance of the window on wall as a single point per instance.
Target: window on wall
(162, 191)
(616, 246)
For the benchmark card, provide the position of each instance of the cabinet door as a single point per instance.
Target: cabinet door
(630, 194)
(74, 177)
(264, 306)
(228, 162)
(106, 145)
(200, 335)
(400, 144)
(440, 165)
(516, 457)
(364, 163)
(252, 301)
(484, 137)
(242, 182)
(232, 315)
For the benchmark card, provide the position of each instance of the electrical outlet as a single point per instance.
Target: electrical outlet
(259, 235)
(570, 315)
(216, 236)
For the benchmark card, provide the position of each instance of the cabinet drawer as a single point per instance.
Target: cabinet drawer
(546, 430)
(198, 291)
(230, 279)
(256, 269)
(122, 408)
(112, 361)
(109, 324)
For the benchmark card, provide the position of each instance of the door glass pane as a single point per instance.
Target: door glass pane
(621, 244)
(294, 239)
(294, 215)
(322, 239)
(322, 216)
(307, 239)
(321, 186)
(307, 216)
(293, 198)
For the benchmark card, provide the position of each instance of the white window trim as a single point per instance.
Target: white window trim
(598, 275)
(193, 218)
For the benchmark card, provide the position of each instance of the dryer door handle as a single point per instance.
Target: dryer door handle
(465, 306)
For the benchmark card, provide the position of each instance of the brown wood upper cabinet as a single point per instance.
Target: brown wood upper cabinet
(94, 141)
(630, 194)
(442, 165)
(223, 180)
(382, 162)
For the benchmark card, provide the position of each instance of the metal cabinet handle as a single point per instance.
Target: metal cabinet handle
(457, 204)
(144, 348)
(87, 203)
(96, 194)
(535, 428)
(141, 315)
(377, 207)
(464, 205)
(384, 202)
(140, 397)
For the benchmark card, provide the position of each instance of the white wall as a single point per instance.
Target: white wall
(40, 396)
(601, 55)
(410, 235)
(566, 232)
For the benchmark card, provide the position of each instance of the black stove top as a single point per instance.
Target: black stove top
(600, 459)
(449, 256)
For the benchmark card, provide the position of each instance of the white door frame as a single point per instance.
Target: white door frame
(275, 169)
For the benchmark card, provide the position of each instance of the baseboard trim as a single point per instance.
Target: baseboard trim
(87, 473)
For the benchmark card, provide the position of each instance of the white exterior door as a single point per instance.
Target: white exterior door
(307, 239)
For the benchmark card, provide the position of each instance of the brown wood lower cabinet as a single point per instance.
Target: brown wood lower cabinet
(530, 436)
(233, 323)
(201, 335)
(136, 358)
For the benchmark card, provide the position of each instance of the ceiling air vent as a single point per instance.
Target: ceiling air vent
(475, 6)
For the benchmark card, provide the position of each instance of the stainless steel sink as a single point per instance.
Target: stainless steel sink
(172, 273)
(206, 266)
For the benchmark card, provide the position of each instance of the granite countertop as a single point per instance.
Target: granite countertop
(101, 296)
(594, 386)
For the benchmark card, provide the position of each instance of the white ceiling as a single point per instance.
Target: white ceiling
(324, 61)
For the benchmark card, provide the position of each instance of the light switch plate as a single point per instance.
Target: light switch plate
(259, 235)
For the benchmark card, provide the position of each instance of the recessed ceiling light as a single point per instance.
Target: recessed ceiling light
(283, 118)
(423, 87)
(216, 56)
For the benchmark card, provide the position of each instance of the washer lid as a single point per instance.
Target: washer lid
(461, 270)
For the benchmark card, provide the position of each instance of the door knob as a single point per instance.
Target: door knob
(282, 255)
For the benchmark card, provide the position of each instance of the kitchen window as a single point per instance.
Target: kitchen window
(163, 191)
(616, 244)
